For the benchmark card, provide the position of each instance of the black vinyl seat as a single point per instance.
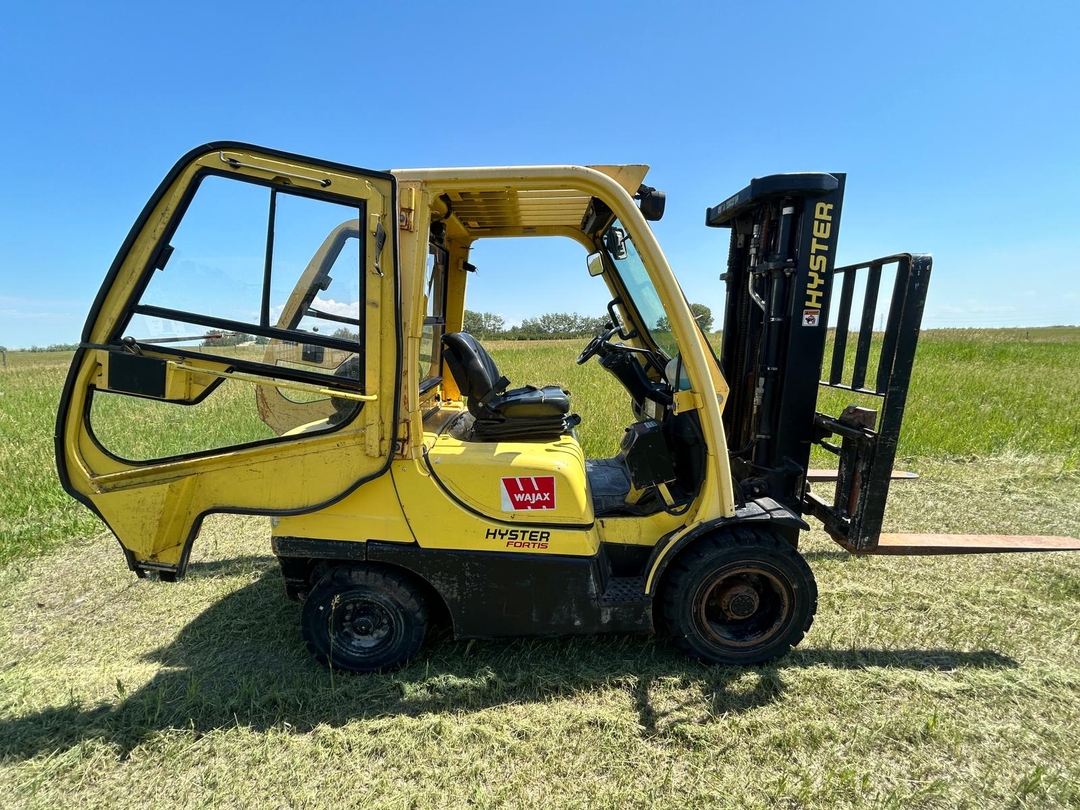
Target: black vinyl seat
(521, 414)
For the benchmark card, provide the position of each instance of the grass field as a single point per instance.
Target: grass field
(949, 682)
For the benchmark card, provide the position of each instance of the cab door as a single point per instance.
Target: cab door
(243, 354)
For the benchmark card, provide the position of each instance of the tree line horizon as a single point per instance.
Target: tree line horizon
(559, 325)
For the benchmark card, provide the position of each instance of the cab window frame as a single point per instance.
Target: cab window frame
(434, 315)
(159, 259)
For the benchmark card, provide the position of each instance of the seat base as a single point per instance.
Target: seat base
(530, 402)
(536, 429)
(468, 428)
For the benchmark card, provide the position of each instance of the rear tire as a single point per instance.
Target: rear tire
(742, 596)
(364, 620)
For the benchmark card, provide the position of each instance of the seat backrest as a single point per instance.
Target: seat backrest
(474, 371)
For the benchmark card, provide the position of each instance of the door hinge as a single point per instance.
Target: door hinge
(687, 401)
(407, 209)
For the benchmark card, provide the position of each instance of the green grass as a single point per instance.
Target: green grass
(979, 393)
(980, 397)
(940, 683)
(143, 429)
(35, 513)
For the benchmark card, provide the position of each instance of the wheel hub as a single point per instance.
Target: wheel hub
(743, 606)
(365, 624)
(738, 600)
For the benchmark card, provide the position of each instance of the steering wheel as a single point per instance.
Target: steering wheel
(596, 345)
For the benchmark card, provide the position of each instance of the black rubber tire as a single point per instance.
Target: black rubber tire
(364, 619)
(741, 596)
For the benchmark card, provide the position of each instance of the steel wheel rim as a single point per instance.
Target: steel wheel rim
(743, 606)
(362, 627)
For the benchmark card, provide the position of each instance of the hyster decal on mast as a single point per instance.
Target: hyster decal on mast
(818, 264)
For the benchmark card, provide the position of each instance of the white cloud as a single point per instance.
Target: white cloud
(340, 308)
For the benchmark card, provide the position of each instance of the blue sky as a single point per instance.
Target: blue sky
(958, 126)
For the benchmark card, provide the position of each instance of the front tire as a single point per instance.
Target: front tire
(364, 620)
(742, 596)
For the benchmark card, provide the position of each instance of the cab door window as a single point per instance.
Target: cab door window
(263, 284)
(434, 317)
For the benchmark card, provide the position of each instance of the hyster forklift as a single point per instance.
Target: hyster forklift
(411, 484)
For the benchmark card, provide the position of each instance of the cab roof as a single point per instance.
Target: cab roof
(512, 201)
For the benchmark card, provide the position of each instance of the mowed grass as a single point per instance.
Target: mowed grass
(35, 513)
(948, 682)
(990, 392)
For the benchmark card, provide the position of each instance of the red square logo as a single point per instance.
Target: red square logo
(534, 492)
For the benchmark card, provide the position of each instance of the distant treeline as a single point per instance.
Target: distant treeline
(52, 347)
(234, 339)
(546, 327)
(556, 325)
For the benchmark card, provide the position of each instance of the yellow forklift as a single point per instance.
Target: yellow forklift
(312, 314)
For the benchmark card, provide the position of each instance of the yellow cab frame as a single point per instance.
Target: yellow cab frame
(331, 305)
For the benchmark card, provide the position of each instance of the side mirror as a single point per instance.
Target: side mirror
(596, 264)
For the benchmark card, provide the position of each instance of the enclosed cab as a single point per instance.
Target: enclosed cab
(300, 325)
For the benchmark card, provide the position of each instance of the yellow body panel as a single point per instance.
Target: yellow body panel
(369, 512)
(473, 472)
(638, 531)
(451, 497)
(439, 522)
(451, 494)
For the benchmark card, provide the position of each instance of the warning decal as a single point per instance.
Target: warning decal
(535, 492)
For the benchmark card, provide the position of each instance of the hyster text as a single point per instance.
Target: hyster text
(520, 538)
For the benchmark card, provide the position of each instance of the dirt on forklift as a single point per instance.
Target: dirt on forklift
(315, 311)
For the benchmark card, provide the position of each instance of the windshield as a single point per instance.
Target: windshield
(624, 256)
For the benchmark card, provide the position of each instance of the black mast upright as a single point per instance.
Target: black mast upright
(784, 230)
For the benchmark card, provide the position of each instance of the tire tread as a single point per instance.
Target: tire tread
(344, 577)
(690, 561)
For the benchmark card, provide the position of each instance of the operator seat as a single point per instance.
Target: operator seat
(520, 414)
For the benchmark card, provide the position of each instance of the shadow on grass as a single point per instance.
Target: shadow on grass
(242, 663)
(230, 566)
